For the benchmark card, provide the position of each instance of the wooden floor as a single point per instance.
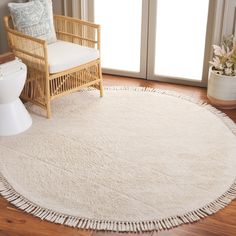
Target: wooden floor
(16, 223)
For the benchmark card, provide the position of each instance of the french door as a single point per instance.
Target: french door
(164, 40)
(124, 35)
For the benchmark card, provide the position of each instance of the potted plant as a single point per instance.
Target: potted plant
(221, 89)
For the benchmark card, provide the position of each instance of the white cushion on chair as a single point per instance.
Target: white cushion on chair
(64, 55)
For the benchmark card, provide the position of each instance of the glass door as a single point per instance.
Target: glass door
(164, 40)
(180, 34)
(123, 35)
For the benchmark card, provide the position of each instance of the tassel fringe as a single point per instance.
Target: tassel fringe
(122, 226)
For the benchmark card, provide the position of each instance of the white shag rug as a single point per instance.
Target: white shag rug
(135, 160)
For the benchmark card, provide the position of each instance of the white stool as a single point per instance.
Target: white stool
(14, 118)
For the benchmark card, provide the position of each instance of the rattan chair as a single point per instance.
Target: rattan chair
(42, 85)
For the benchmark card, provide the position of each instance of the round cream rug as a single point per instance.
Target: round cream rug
(136, 160)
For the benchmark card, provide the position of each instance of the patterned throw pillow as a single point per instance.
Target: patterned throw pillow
(34, 18)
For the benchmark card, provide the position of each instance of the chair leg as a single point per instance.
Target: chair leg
(48, 107)
(101, 82)
(48, 99)
(101, 89)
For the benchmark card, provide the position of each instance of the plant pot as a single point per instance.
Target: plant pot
(221, 90)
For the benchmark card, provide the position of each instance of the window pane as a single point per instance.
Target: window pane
(121, 33)
(180, 38)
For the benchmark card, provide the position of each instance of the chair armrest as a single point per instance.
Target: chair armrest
(77, 31)
(32, 51)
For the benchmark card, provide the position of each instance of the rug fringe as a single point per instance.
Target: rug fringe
(123, 226)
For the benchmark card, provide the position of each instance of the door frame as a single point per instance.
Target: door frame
(144, 42)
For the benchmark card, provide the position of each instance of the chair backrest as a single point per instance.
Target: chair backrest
(8, 22)
(31, 51)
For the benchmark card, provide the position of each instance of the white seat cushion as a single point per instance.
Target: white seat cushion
(64, 55)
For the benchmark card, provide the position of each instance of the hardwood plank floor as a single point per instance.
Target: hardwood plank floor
(14, 222)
